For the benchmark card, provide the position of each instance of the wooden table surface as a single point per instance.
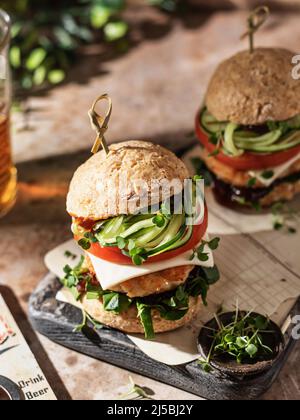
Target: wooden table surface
(156, 88)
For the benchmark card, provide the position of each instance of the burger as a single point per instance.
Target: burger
(249, 129)
(146, 268)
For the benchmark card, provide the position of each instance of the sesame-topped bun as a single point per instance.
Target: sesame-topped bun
(125, 175)
(253, 88)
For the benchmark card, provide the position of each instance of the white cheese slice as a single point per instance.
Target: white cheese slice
(110, 274)
(278, 171)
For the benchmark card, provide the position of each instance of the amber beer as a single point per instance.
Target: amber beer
(8, 177)
(7, 169)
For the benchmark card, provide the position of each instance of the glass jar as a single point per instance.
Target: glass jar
(8, 173)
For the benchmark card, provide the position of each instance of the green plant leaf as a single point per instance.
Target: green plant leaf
(202, 256)
(15, 57)
(56, 76)
(212, 274)
(261, 323)
(93, 292)
(35, 59)
(144, 313)
(114, 5)
(159, 220)
(251, 183)
(116, 302)
(268, 174)
(84, 243)
(214, 244)
(131, 245)
(137, 259)
(206, 367)
(121, 242)
(16, 29)
(251, 350)
(111, 302)
(241, 342)
(70, 24)
(99, 16)
(115, 30)
(64, 38)
(75, 293)
(39, 75)
(229, 338)
(26, 82)
(85, 34)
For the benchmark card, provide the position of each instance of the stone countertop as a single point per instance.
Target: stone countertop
(156, 89)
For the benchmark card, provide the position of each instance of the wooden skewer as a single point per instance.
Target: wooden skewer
(100, 124)
(255, 20)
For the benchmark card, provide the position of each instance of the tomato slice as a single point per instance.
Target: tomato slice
(114, 254)
(248, 161)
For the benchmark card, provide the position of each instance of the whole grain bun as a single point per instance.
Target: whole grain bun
(254, 88)
(100, 181)
(128, 321)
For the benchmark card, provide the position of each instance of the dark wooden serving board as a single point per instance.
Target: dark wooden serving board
(56, 320)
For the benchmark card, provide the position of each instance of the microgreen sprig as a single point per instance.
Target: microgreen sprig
(136, 392)
(251, 182)
(285, 218)
(200, 253)
(268, 174)
(241, 340)
(69, 254)
(201, 168)
(85, 318)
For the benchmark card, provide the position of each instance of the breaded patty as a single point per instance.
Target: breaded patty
(235, 177)
(150, 284)
(282, 192)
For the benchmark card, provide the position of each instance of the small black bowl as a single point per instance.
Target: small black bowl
(227, 365)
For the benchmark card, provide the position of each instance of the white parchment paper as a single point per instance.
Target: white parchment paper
(250, 274)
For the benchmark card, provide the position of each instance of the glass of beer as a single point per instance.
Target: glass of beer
(8, 173)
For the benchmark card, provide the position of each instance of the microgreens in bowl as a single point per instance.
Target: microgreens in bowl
(244, 338)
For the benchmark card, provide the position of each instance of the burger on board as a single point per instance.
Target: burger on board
(142, 271)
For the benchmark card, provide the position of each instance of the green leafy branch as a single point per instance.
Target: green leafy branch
(46, 39)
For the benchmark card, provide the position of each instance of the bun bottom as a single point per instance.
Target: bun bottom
(129, 322)
(283, 192)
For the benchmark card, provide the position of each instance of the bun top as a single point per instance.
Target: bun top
(252, 88)
(105, 183)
